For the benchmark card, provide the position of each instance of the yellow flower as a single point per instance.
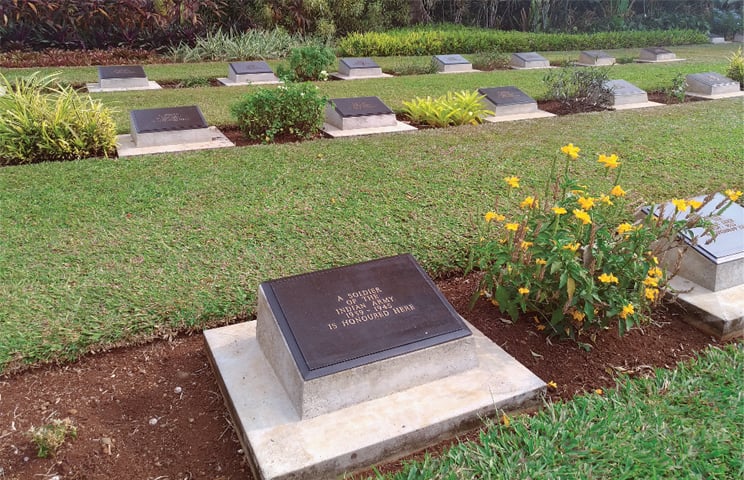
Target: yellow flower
(526, 245)
(624, 228)
(651, 282)
(583, 216)
(599, 391)
(655, 272)
(523, 291)
(679, 204)
(586, 203)
(559, 210)
(528, 202)
(606, 200)
(651, 294)
(512, 226)
(733, 195)
(513, 182)
(578, 316)
(608, 278)
(617, 191)
(571, 151)
(572, 246)
(552, 385)
(540, 327)
(695, 204)
(609, 162)
(627, 310)
(494, 216)
(540, 261)
(494, 302)
(505, 420)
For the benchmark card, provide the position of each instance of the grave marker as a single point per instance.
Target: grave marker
(716, 39)
(508, 100)
(168, 126)
(122, 76)
(246, 73)
(359, 112)
(528, 60)
(595, 58)
(710, 83)
(358, 67)
(452, 63)
(625, 93)
(657, 54)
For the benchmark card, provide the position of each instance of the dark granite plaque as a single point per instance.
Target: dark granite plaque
(451, 59)
(501, 96)
(728, 226)
(121, 71)
(530, 57)
(341, 318)
(250, 68)
(711, 79)
(360, 106)
(354, 63)
(167, 119)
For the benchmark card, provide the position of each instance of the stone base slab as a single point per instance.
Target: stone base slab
(96, 88)
(631, 106)
(230, 83)
(281, 446)
(341, 76)
(720, 313)
(470, 70)
(661, 61)
(518, 116)
(125, 146)
(336, 132)
(530, 68)
(717, 95)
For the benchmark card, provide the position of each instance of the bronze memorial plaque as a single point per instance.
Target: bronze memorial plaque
(360, 106)
(121, 71)
(167, 119)
(501, 96)
(337, 319)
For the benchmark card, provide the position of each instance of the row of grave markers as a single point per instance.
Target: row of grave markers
(133, 77)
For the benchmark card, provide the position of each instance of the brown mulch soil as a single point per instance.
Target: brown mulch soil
(155, 411)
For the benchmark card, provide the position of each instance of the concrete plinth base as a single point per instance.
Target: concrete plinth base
(125, 146)
(660, 61)
(96, 87)
(518, 116)
(717, 96)
(720, 313)
(631, 106)
(240, 83)
(336, 132)
(341, 76)
(469, 70)
(280, 445)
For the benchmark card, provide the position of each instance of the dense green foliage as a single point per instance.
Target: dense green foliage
(42, 121)
(307, 63)
(684, 423)
(433, 41)
(294, 110)
(454, 108)
(579, 88)
(234, 46)
(735, 68)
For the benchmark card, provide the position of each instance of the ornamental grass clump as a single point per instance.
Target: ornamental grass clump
(576, 258)
(454, 108)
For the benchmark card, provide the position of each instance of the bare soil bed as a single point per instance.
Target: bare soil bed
(155, 411)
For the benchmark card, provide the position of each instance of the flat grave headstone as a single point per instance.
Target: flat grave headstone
(358, 113)
(121, 77)
(246, 73)
(370, 358)
(358, 67)
(452, 63)
(508, 100)
(710, 84)
(716, 39)
(595, 58)
(739, 37)
(168, 126)
(528, 60)
(625, 93)
(715, 264)
(657, 54)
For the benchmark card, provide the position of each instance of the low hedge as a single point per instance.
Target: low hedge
(472, 40)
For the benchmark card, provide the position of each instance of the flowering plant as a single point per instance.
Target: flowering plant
(577, 259)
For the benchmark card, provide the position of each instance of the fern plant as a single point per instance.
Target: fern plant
(454, 108)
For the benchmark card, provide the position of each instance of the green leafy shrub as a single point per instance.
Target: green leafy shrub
(454, 108)
(735, 68)
(307, 63)
(675, 92)
(50, 437)
(579, 88)
(573, 258)
(491, 60)
(233, 46)
(438, 41)
(415, 66)
(43, 120)
(295, 110)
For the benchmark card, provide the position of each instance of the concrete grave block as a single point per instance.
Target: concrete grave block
(739, 37)
(508, 100)
(657, 54)
(452, 63)
(595, 58)
(168, 126)
(246, 73)
(710, 84)
(624, 93)
(528, 60)
(359, 112)
(122, 76)
(716, 39)
(358, 67)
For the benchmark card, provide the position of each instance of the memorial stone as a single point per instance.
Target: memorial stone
(656, 54)
(168, 126)
(625, 93)
(359, 112)
(595, 58)
(716, 39)
(250, 72)
(358, 67)
(452, 63)
(122, 76)
(529, 60)
(508, 100)
(710, 83)
(739, 37)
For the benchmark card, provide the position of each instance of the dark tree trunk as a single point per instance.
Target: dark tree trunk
(418, 12)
